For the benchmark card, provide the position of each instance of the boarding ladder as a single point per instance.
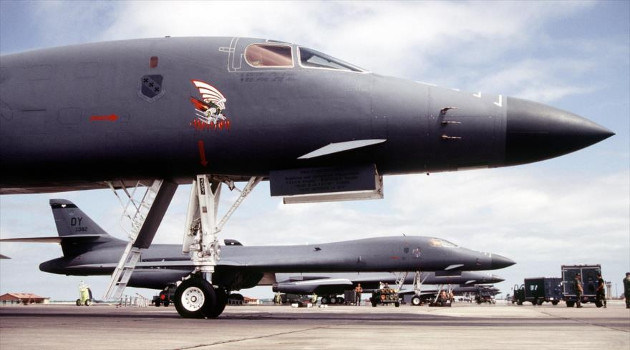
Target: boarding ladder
(400, 280)
(139, 200)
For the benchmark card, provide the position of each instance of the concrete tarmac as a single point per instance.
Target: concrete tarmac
(462, 326)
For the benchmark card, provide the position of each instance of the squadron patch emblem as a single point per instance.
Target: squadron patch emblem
(209, 109)
(151, 87)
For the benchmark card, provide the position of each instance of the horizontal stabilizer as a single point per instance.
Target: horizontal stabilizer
(4, 257)
(337, 147)
(76, 238)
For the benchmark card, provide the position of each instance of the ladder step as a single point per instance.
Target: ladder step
(135, 211)
(123, 272)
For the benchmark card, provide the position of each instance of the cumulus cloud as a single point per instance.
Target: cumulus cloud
(455, 44)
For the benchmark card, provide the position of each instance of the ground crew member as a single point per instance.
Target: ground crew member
(626, 289)
(84, 295)
(601, 292)
(357, 293)
(578, 290)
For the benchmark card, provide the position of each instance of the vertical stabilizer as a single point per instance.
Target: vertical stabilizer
(77, 231)
(72, 221)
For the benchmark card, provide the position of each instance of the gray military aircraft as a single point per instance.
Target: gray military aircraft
(89, 250)
(156, 113)
(328, 285)
(480, 292)
(172, 108)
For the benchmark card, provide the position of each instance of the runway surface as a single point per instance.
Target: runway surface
(462, 326)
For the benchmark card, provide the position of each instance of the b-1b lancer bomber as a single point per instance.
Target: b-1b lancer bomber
(89, 250)
(156, 113)
(328, 285)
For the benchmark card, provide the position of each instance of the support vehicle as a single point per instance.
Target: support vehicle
(589, 283)
(385, 296)
(538, 290)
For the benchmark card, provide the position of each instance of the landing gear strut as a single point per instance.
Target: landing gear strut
(197, 297)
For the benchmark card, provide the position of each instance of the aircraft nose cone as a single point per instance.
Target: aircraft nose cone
(499, 261)
(536, 132)
(495, 279)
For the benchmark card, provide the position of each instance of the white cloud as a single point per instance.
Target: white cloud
(387, 37)
(540, 80)
(455, 44)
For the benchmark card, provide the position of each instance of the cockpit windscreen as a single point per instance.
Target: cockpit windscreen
(313, 59)
(437, 242)
(267, 55)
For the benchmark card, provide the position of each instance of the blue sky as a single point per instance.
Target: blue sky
(571, 55)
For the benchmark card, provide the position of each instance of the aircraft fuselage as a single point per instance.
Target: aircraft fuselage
(176, 107)
(244, 266)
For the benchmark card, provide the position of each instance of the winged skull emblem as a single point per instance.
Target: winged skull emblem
(209, 110)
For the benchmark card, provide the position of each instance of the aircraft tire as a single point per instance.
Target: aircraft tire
(88, 302)
(194, 298)
(415, 301)
(324, 300)
(78, 302)
(235, 298)
(219, 305)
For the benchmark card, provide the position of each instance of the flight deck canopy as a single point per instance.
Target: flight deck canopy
(269, 56)
(274, 55)
(438, 242)
(313, 59)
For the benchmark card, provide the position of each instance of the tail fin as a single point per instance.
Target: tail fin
(77, 232)
(72, 221)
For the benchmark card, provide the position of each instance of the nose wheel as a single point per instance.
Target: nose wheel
(195, 298)
(221, 302)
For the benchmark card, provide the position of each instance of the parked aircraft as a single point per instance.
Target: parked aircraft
(156, 113)
(89, 250)
(480, 292)
(329, 285)
(173, 108)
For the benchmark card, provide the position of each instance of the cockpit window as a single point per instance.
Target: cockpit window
(436, 242)
(313, 59)
(268, 55)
